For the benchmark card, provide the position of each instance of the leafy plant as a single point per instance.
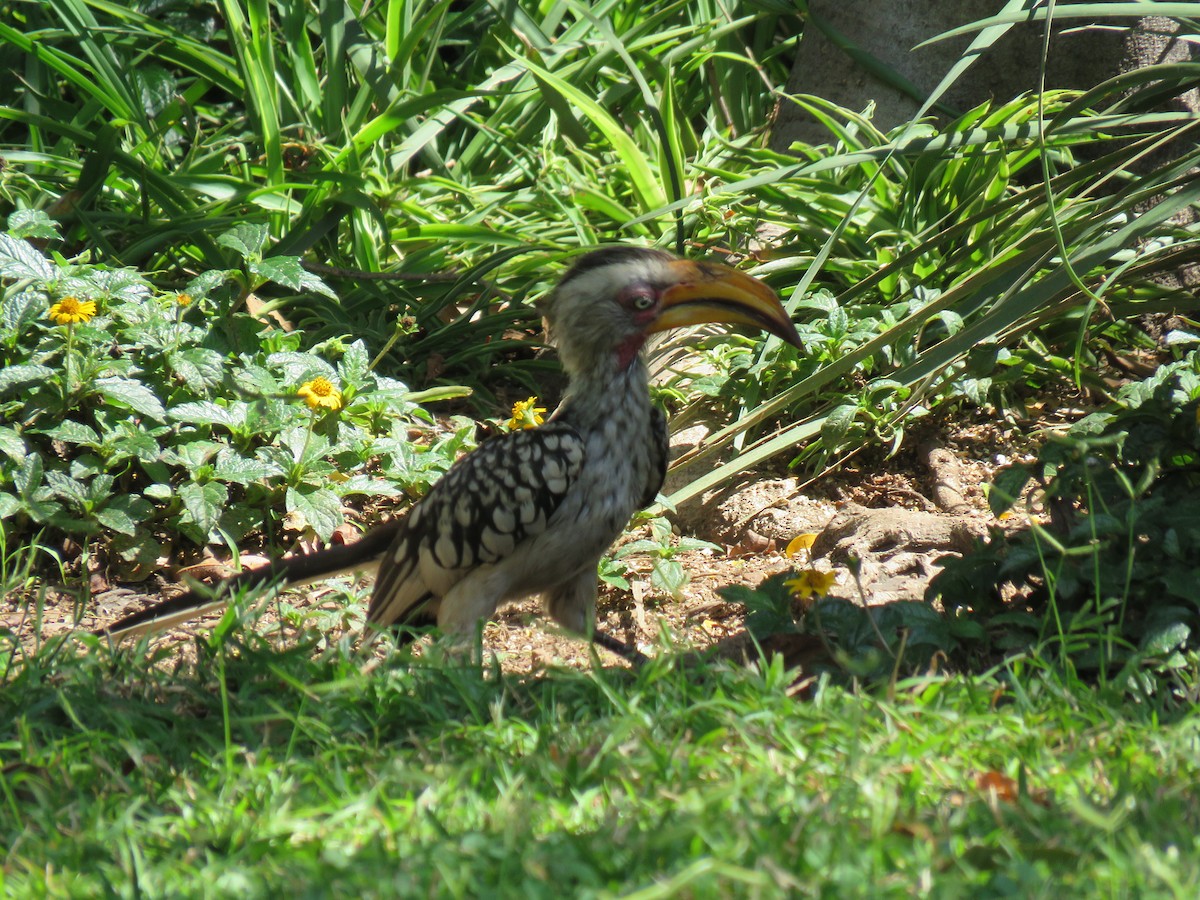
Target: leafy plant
(133, 417)
(667, 573)
(1108, 572)
(860, 641)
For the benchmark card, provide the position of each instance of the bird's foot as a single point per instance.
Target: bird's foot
(627, 652)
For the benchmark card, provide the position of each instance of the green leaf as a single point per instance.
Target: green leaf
(287, 271)
(690, 543)
(355, 365)
(32, 223)
(203, 504)
(117, 517)
(140, 548)
(669, 575)
(1166, 638)
(320, 507)
(768, 607)
(838, 424)
(71, 432)
(133, 394)
(9, 505)
(133, 443)
(640, 546)
(21, 308)
(300, 367)
(159, 491)
(206, 282)
(19, 261)
(205, 412)
(23, 373)
(67, 488)
(28, 476)
(123, 284)
(1007, 487)
(368, 485)
(246, 240)
(12, 444)
(231, 466)
(199, 367)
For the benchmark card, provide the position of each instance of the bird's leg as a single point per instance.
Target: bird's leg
(627, 652)
(573, 606)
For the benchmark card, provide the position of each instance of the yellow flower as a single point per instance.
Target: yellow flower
(183, 299)
(798, 543)
(70, 310)
(320, 392)
(526, 414)
(810, 583)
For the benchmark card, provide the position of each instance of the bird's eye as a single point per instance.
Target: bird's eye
(639, 297)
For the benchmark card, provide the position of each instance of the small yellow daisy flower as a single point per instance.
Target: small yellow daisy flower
(183, 299)
(810, 583)
(320, 392)
(526, 414)
(70, 310)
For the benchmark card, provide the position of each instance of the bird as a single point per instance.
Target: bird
(532, 511)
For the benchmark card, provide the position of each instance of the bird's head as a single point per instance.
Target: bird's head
(612, 299)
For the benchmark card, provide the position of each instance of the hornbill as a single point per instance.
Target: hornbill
(532, 511)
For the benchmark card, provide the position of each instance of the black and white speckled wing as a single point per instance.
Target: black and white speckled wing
(487, 505)
(660, 450)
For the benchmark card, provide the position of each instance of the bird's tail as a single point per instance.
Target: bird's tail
(361, 556)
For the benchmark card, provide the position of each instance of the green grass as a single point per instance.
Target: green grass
(263, 769)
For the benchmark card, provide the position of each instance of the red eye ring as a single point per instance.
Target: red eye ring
(639, 298)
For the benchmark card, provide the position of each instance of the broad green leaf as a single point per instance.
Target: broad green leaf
(123, 284)
(669, 575)
(838, 423)
(134, 442)
(67, 488)
(140, 548)
(206, 412)
(32, 223)
(203, 504)
(199, 367)
(20, 261)
(320, 507)
(300, 367)
(116, 519)
(206, 282)
(21, 308)
(355, 365)
(369, 486)
(23, 373)
(1167, 637)
(28, 476)
(133, 394)
(237, 469)
(287, 271)
(159, 491)
(246, 240)
(71, 432)
(12, 444)
(1007, 486)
